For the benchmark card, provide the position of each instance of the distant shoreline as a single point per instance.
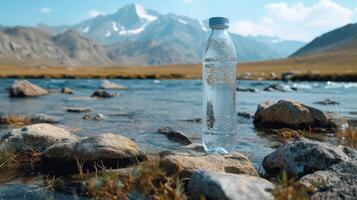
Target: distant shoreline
(247, 71)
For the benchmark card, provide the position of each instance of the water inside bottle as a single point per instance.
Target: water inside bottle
(219, 109)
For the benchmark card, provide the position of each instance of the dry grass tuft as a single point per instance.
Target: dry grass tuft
(290, 189)
(15, 120)
(51, 183)
(286, 133)
(349, 136)
(146, 180)
(8, 158)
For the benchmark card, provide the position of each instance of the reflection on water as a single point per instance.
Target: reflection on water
(149, 105)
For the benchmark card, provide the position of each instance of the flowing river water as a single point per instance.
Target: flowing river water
(152, 104)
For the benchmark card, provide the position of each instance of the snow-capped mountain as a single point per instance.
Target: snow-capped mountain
(283, 47)
(129, 21)
(140, 36)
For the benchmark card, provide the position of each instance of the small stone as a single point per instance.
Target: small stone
(43, 118)
(278, 87)
(107, 85)
(327, 102)
(66, 90)
(37, 137)
(108, 150)
(78, 109)
(24, 88)
(223, 186)
(96, 117)
(193, 120)
(101, 94)
(244, 115)
(239, 89)
(174, 135)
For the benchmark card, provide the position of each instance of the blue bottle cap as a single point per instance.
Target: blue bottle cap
(218, 22)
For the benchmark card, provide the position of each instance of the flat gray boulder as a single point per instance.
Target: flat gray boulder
(24, 88)
(303, 156)
(223, 186)
(185, 164)
(292, 114)
(337, 182)
(109, 150)
(37, 137)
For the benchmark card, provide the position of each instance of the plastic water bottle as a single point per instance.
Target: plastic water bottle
(219, 120)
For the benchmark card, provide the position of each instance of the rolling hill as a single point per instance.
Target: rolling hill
(339, 42)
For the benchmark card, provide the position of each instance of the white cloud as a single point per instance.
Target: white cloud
(94, 13)
(297, 21)
(249, 28)
(46, 10)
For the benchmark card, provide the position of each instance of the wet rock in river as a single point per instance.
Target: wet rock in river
(44, 118)
(280, 88)
(294, 115)
(102, 94)
(78, 109)
(244, 115)
(66, 90)
(239, 89)
(36, 137)
(337, 182)
(24, 88)
(193, 120)
(174, 135)
(303, 156)
(96, 117)
(109, 150)
(185, 163)
(327, 102)
(223, 186)
(107, 85)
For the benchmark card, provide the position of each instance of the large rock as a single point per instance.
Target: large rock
(108, 150)
(107, 85)
(23, 88)
(36, 137)
(290, 114)
(337, 182)
(223, 186)
(303, 156)
(185, 163)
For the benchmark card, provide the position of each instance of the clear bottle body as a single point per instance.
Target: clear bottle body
(219, 123)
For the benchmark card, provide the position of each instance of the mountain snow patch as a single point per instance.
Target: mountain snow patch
(202, 26)
(108, 34)
(86, 29)
(182, 21)
(141, 12)
(115, 27)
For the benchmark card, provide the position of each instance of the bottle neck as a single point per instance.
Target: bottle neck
(219, 32)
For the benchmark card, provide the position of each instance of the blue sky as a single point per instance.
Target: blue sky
(288, 19)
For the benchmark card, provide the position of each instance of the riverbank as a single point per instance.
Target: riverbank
(272, 70)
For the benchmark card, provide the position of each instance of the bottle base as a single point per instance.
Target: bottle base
(216, 150)
(219, 143)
